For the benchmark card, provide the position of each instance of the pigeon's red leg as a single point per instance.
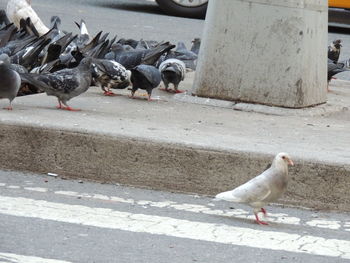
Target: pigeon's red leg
(70, 108)
(109, 93)
(66, 107)
(258, 220)
(59, 105)
(149, 98)
(8, 108)
(264, 211)
(179, 91)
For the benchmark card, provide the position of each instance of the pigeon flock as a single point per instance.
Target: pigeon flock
(35, 58)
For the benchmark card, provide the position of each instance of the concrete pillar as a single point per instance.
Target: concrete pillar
(271, 52)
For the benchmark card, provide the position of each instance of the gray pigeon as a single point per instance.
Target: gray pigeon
(335, 68)
(196, 44)
(10, 82)
(145, 77)
(132, 58)
(172, 71)
(263, 189)
(64, 84)
(16, 67)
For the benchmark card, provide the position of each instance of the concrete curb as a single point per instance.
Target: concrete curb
(165, 166)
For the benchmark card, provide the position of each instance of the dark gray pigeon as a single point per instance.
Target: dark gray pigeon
(4, 21)
(109, 74)
(6, 33)
(145, 77)
(334, 50)
(172, 71)
(335, 68)
(64, 84)
(132, 58)
(10, 82)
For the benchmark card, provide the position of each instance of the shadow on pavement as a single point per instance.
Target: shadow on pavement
(150, 8)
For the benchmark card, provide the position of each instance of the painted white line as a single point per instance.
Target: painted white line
(194, 208)
(280, 218)
(13, 187)
(158, 225)
(36, 189)
(323, 223)
(13, 258)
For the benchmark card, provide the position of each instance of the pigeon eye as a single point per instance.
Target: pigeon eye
(283, 157)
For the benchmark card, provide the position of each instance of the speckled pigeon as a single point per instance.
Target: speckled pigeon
(109, 74)
(334, 50)
(64, 84)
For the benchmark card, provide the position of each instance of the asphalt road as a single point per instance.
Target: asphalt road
(124, 18)
(43, 218)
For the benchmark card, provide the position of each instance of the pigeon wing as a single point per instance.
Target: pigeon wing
(255, 190)
(63, 81)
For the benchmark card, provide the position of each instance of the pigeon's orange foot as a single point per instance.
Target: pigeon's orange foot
(70, 108)
(262, 222)
(109, 93)
(179, 91)
(59, 107)
(8, 108)
(259, 221)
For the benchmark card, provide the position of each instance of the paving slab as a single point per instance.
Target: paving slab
(180, 145)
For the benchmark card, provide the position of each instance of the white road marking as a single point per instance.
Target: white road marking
(14, 258)
(347, 226)
(158, 225)
(13, 187)
(36, 189)
(281, 218)
(195, 208)
(323, 223)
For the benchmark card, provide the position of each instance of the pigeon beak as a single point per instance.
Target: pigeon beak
(290, 162)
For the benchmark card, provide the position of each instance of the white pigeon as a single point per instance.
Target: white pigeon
(263, 189)
(18, 9)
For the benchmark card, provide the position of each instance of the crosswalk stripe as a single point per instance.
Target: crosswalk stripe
(280, 218)
(160, 225)
(196, 208)
(14, 258)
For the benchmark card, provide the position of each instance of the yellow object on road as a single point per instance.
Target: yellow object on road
(339, 3)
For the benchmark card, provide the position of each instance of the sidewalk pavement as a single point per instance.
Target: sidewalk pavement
(183, 143)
